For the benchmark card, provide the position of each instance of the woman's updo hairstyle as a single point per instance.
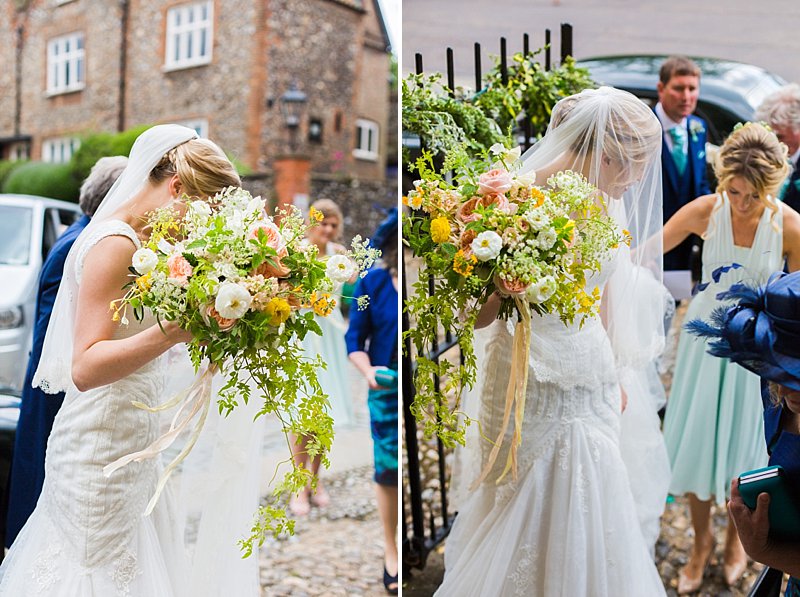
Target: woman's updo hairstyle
(201, 166)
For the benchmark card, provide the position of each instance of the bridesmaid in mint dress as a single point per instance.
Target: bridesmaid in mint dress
(713, 425)
(331, 347)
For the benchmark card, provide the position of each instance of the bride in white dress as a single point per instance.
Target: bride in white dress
(88, 536)
(568, 526)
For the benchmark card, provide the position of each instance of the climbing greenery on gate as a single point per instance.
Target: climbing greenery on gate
(530, 91)
(467, 124)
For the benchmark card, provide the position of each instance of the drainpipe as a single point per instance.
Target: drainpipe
(18, 81)
(123, 55)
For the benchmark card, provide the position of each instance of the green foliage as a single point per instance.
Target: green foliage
(531, 91)
(444, 124)
(43, 179)
(97, 145)
(6, 168)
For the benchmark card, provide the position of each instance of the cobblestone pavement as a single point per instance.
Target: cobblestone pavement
(335, 551)
(338, 550)
(672, 549)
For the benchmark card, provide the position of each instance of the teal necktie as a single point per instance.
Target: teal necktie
(678, 135)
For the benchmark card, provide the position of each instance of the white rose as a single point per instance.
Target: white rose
(340, 269)
(536, 218)
(256, 205)
(200, 208)
(144, 261)
(527, 180)
(541, 290)
(546, 238)
(487, 245)
(233, 300)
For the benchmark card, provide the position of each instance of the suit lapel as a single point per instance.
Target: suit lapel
(670, 169)
(697, 155)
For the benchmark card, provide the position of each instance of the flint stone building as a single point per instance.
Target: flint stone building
(72, 67)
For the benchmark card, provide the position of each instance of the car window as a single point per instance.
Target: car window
(15, 234)
(50, 231)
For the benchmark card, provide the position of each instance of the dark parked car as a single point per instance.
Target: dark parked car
(730, 91)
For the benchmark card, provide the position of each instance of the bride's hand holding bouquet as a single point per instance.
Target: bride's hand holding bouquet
(245, 288)
(493, 231)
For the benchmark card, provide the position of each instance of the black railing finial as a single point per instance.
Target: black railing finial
(418, 62)
(566, 41)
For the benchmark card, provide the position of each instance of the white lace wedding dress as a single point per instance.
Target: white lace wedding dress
(87, 536)
(568, 526)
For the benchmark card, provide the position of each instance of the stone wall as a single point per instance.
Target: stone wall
(329, 48)
(363, 203)
(218, 92)
(77, 112)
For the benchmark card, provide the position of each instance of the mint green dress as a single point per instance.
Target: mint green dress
(714, 421)
(335, 380)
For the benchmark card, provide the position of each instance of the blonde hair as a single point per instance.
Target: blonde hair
(753, 152)
(631, 134)
(201, 166)
(329, 209)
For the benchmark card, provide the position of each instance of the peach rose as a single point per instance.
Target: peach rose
(500, 202)
(272, 270)
(510, 287)
(466, 213)
(224, 324)
(273, 233)
(495, 181)
(179, 268)
(466, 239)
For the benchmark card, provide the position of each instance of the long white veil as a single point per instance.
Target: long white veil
(614, 140)
(54, 373)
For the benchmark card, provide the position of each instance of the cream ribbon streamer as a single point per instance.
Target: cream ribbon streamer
(515, 396)
(196, 398)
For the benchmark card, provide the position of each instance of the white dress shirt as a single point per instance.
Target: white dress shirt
(667, 123)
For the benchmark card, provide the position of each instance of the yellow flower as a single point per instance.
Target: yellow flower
(415, 200)
(315, 215)
(144, 282)
(405, 200)
(537, 196)
(463, 263)
(322, 304)
(115, 317)
(278, 311)
(626, 236)
(440, 230)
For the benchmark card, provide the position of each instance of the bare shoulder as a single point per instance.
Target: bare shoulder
(702, 206)
(791, 223)
(109, 257)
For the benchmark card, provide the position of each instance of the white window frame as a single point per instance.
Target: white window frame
(200, 125)
(185, 29)
(66, 68)
(367, 139)
(19, 151)
(59, 150)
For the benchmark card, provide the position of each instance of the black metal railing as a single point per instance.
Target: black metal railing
(427, 518)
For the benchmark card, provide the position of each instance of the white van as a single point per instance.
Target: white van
(29, 226)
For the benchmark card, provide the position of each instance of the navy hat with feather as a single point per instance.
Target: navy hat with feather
(384, 230)
(761, 330)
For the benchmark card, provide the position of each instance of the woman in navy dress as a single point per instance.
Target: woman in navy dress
(761, 332)
(372, 345)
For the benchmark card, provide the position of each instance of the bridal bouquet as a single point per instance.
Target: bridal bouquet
(247, 287)
(493, 230)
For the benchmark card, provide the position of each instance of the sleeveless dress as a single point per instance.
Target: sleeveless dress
(568, 525)
(87, 536)
(331, 347)
(713, 426)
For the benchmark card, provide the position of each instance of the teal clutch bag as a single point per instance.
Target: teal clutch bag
(784, 515)
(386, 377)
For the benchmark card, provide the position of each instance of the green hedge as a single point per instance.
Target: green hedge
(6, 167)
(98, 145)
(43, 179)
